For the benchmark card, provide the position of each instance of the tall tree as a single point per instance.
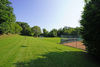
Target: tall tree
(7, 18)
(68, 30)
(91, 27)
(60, 32)
(53, 33)
(18, 29)
(36, 30)
(26, 30)
(45, 33)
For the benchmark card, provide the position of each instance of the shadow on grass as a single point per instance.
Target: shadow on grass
(24, 46)
(61, 59)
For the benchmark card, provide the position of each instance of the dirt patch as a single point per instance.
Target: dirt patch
(76, 44)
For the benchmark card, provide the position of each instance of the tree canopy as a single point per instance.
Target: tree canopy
(36, 30)
(90, 25)
(7, 17)
(53, 33)
(26, 30)
(45, 33)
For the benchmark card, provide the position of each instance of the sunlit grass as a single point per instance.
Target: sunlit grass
(21, 51)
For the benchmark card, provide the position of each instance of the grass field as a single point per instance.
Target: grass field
(21, 51)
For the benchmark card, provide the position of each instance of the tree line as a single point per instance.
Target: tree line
(24, 29)
(36, 31)
(62, 31)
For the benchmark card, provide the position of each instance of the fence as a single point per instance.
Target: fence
(73, 42)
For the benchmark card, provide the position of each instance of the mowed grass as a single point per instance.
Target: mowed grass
(24, 51)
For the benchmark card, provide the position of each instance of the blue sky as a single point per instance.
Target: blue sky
(49, 14)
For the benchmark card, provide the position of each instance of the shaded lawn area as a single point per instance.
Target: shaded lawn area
(61, 59)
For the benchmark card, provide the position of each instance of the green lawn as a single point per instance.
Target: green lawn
(21, 51)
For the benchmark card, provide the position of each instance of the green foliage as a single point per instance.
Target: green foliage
(45, 33)
(60, 32)
(26, 30)
(91, 27)
(36, 30)
(53, 33)
(87, 1)
(4, 28)
(7, 18)
(76, 31)
(18, 29)
(68, 30)
(71, 31)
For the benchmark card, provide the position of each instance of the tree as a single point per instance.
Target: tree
(4, 28)
(45, 33)
(18, 29)
(36, 30)
(87, 1)
(26, 30)
(76, 31)
(7, 18)
(90, 27)
(60, 32)
(68, 30)
(53, 33)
